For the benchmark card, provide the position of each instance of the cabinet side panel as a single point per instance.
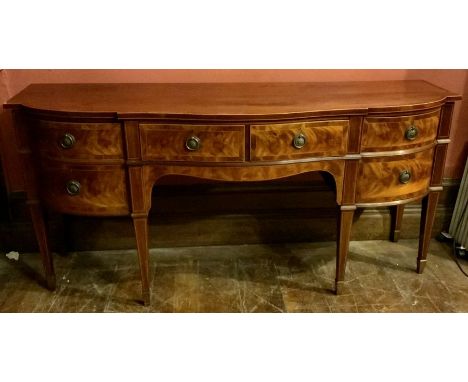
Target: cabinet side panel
(9, 155)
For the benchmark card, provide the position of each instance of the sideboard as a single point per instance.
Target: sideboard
(99, 149)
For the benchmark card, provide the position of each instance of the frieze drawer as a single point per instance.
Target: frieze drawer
(298, 140)
(207, 143)
(79, 142)
(399, 133)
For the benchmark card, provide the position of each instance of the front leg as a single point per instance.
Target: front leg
(397, 217)
(140, 223)
(40, 231)
(345, 223)
(429, 204)
(140, 209)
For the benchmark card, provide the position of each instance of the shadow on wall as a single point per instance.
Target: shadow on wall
(461, 134)
(4, 95)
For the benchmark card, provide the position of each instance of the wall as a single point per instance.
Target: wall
(13, 81)
(18, 79)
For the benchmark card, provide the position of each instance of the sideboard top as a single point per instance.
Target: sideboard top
(248, 100)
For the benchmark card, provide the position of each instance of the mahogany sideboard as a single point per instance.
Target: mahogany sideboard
(98, 149)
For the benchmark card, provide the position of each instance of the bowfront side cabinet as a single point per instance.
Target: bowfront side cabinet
(98, 149)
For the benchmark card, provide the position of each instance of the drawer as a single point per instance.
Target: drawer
(399, 133)
(79, 141)
(298, 140)
(394, 178)
(85, 190)
(210, 143)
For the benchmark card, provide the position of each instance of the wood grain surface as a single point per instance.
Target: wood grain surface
(274, 141)
(378, 178)
(218, 143)
(103, 189)
(429, 204)
(344, 226)
(396, 220)
(388, 133)
(93, 141)
(243, 174)
(242, 100)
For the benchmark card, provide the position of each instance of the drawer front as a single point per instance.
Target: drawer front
(399, 133)
(298, 140)
(85, 190)
(79, 142)
(394, 178)
(207, 143)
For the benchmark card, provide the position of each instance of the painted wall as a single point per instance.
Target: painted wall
(13, 81)
(18, 79)
(13, 179)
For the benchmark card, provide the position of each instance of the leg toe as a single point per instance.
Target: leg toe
(146, 298)
(51, 282)
(338, 287)
(420, 266)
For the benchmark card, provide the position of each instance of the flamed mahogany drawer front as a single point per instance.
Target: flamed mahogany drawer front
(298, 140)
(85, 190)
(399, 133)
(394, 178)
(212, 143)
(79, 141)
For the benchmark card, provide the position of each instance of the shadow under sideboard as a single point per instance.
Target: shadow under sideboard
(208, 213)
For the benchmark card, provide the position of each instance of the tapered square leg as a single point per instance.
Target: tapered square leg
(42, 241)
(429, 204)
(345, 222)
(397, 217)
(141, 234)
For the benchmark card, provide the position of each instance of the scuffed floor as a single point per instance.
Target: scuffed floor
(380, 277)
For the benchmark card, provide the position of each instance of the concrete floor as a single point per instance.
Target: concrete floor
(380, 277)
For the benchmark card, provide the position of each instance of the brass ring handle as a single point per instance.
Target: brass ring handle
(73, 187)
(193, 143)
(405, 176)
(411, 133)
(67, 141)
(299, 141)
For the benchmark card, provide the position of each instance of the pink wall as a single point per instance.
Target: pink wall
(4, 93)
(18, 79)
(14, 80)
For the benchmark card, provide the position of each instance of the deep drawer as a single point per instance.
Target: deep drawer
(298, 140)
(386, 179)
(85, 190)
